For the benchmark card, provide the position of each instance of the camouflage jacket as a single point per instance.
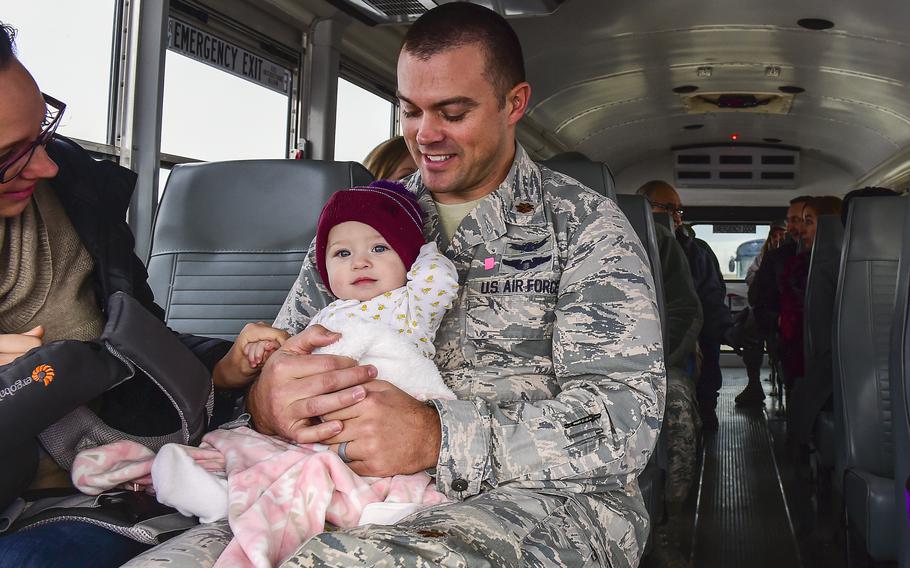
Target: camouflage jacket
(553, 345)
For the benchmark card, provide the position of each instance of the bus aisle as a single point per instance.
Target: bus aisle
(742, 519)
(756, 504)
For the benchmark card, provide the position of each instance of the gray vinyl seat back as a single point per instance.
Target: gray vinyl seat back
(230, 237)
(638, 211)
(596, 175)
(867, 283)
(824, 265)
(808, 420)
(900, 389)
(864, 312)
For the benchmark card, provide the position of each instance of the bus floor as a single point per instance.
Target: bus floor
(757, 502)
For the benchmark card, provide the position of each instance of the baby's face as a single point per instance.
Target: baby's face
(360, 263)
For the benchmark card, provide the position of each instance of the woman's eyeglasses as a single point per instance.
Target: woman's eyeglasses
(14, 166)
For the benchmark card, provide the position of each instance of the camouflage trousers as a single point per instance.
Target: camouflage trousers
(681, 425)
(500, 528)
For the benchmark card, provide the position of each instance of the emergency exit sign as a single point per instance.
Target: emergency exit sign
(210, 49)
(727, 228)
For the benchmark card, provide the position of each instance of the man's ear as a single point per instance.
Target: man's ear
(517, 101)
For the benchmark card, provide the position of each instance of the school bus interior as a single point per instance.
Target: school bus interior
(740, 106)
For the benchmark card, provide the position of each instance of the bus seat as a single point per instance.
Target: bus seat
(900, 391)
(229, 238)
(637, 209)
(595, 175)
(812, 392)
(663, 219)
(864, 310)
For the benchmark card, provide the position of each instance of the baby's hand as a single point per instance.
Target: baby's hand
(258, 341)
(251, 349)
(258, 352)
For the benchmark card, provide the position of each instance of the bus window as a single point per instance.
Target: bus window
(163, 174)
(78, 69)
(735, 246)
(210, 114)
(363, 120)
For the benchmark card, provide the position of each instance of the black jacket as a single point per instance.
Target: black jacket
(764, 293)
(710, 288)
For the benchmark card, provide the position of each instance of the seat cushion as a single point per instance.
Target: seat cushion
(872, 511)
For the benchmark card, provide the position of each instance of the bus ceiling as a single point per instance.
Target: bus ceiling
(625, 83)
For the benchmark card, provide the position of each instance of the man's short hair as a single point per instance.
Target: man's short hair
(7, 44)
(801, 199)
(457, 24)
(650, 189)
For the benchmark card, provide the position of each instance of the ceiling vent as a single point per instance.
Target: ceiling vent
(770, 103)
(737, 167)
(377, 12)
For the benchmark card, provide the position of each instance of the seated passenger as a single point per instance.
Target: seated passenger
(793, 289)
(753, 338)
(775, 238)
(764, 292)
(65, 251)
(390, 160)
(712, 293)
(552, 347)
(813, 393)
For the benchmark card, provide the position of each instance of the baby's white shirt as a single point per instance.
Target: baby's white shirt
(414, 310)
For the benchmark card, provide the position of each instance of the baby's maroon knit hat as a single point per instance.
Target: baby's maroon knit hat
(385, 205)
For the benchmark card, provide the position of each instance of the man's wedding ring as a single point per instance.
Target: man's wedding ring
(342, 452)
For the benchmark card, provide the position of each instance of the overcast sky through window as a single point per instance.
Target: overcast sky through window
(208, 113)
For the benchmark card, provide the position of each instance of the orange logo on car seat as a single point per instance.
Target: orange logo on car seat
(43, 373)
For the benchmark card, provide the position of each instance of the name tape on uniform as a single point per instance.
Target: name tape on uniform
(212, 50)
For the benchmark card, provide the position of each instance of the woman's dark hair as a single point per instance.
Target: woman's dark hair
(457, 24)
(7, 44)
(825, 205)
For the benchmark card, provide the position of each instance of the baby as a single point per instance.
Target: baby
(392, 289)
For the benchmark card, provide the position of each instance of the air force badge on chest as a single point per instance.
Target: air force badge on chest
(534, 285)
(521, 262)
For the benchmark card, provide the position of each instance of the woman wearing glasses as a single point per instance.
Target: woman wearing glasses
(64, 249)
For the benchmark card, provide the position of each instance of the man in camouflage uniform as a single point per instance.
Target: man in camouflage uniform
(553, 346)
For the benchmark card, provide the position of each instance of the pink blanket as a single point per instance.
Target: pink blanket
(280, 494)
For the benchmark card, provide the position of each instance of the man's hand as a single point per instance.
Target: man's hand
(15, 345)
(296, 387)
(388, 433)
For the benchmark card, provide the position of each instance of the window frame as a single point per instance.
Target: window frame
(370, 82)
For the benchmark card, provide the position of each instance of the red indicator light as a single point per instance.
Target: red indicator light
(734, 137)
